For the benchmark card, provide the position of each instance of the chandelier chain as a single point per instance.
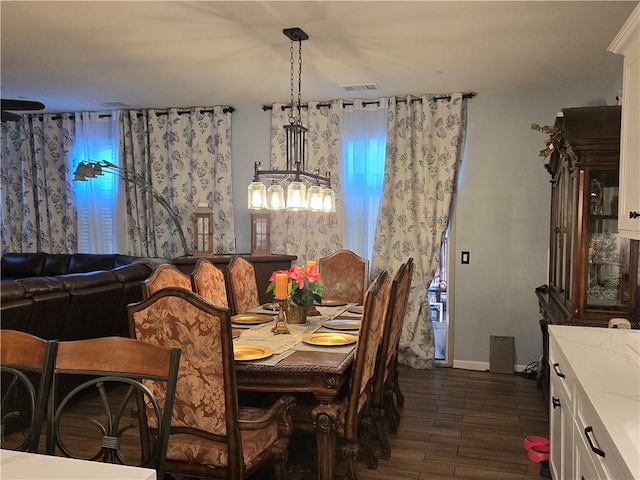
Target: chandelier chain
(299, 81)
(292, 118)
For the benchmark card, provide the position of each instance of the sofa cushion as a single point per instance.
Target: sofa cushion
(88, 262)
(17, 265)
(56, 264)
(120, 260)
(39, 285)
(11, 291)
(78, 281)
(133, 272)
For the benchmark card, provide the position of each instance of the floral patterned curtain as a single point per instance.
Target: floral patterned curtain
(425, 137)
(186, 155)
(309, 235)
(37, 212)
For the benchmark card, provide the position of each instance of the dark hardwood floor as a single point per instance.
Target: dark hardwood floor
(460, 424)
(456, 424)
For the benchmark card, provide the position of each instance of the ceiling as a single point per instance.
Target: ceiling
(86, 55)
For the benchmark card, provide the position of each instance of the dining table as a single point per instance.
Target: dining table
(313, 358)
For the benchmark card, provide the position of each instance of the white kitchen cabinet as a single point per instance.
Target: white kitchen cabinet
(627, 43)
(594, 404)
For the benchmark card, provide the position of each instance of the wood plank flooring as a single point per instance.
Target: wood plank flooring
(456, 424)
(460, 424)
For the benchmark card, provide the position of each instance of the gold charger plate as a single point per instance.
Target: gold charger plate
(327, 302)
(355, 309)
(269, 306)
(252, 318)
(343, 324)
(235, 333)
(243, 353)
(329, 339)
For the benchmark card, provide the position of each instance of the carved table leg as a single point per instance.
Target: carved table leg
(325, 417)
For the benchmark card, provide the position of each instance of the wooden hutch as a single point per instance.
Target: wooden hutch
(592, 270)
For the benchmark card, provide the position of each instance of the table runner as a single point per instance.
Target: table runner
(285, 344)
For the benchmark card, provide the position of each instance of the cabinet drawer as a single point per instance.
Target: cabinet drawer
(560, 373)
(599, 446)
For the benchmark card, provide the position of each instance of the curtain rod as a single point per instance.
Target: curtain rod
(373, 102)
(159, 112)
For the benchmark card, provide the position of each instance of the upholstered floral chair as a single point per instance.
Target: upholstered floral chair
(165, 275)
(385, 386)
(346, 276)
(243, 288)
(355, 423)
(211, 435)
(209, 283)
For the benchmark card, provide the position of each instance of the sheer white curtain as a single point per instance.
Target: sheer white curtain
(96, 138)
(363, 135)
(424, 146)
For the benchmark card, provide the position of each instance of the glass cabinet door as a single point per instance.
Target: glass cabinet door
(607, 253)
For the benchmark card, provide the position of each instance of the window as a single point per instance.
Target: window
(97, 198)
(364, 141)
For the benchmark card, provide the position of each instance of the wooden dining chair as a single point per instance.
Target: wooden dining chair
(165, 275)
(355, 423)
(385, 377)
(212, 436)
(26, 366)
(122, 375)
(243, 287)
(346, 276)
(209, 283)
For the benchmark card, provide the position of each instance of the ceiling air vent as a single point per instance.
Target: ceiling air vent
(361, 87)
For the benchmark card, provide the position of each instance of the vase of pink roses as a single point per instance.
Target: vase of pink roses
(304, 288)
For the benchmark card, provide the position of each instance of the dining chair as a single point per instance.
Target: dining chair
(209, 283)
(165, 275)
(212, 436)
(127, 375)
(355, 422)
(346, 276)
(26, 366)
(386, 371)
(243, 288)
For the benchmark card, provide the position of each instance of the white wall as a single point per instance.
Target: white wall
(502, 215)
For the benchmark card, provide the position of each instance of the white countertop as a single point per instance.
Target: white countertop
(33, 466)
(606, 362)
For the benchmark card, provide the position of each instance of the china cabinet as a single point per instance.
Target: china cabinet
(592, 269)
(627, 43)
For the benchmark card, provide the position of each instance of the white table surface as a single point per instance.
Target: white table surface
(33, 466)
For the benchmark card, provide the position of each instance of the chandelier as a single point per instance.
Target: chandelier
(304, 190)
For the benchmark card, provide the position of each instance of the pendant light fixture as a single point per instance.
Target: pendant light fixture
(304, 190)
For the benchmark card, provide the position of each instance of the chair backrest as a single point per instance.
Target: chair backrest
(209, 283)
(26, 363)
(165, 275)
(123, 374)
(346, 276)
(206, 404)
(376, 304)
(399, 296)
(243, 288)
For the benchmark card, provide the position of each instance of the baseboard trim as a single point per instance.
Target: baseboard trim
(480, 366)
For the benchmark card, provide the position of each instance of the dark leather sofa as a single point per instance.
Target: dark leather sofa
(70, 296)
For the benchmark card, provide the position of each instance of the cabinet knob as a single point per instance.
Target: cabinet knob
(633, 214)
(555, 402)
